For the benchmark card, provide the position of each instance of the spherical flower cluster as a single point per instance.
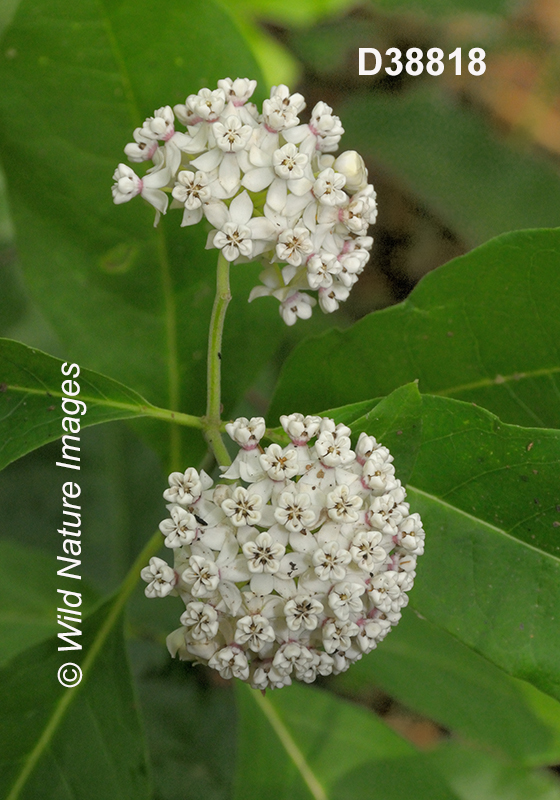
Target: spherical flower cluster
(298, 566)
(269, 187)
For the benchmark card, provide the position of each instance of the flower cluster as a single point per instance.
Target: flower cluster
(268, 185)
(298, 566)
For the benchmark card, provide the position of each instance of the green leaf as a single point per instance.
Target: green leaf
(451, 160)
(31, 413)
(67, 743)
(306, 743)
(489, 497)
(191, 726)
(446, 7)
(483, 328)
(460, 690)
(396, 421)
(29, 598)
(125, 299)
(477, 776)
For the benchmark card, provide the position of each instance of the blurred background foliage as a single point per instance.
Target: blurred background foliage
(455, 161)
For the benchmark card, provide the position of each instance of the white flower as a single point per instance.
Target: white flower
(264, 554)
(160, 577)
(308, 210)
(378, 474)
(207, 104)
(385, 593)
(192, 190)
(237, 229)
(366, 551)
(202, 575)
(294, 511)
(128, 185)
(247, 433)
(185, 488)
(411, 535)
(333, 451)
(290, 655)
(351, 165)
(254, 631)
(294, 245)
(296, 569)
(297, 306)
(300, 429)
(385, 513)
(279, 464)
(180, 529)
(321, 269)
(232, 136)
(330, 562)
(330, 299)
(337, 634)
(243, 508)
(328, 188)
(341, 507)
(160, 126)
(142, 149)
(238, 91)
(231, 662)
(367, 445)
(202, 620)
(345, 598)
(302, 612)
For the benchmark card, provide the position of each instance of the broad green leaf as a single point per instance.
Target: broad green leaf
(31, 394)
(483, 328)
(67, 743)
(122, 504)
(489, 497)
(446, 7)
(446, 156)
(290, 12)
(477, 776)
(126, 299)
(460, 690)
(396, 421)
(191, 726)
(29, 598)
(301, 743)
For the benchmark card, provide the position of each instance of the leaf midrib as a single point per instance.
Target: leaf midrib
(485, 523)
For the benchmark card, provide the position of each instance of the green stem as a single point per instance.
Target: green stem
(172, 352)
(214, 376)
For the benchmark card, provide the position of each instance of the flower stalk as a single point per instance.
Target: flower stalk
(214, 374)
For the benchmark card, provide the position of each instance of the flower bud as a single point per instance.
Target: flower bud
(351, 165)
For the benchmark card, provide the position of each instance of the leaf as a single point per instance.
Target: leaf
(29, 598)
(66, 743)
(489, 496)
(31, 413)
(125, 299)
(482, 328)
(121, 484)
(306, 743)
(450, 159)
(477, 776)
(396, 421)
(460, 690)
(446, 7)
(191, 726)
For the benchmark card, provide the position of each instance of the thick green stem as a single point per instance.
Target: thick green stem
(214, 396)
